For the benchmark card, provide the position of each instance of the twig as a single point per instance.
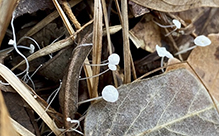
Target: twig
(70, 14)
(126, 48)
(97, 44)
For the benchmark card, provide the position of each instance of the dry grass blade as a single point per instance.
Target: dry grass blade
(12, 79)
(108, 37)
(6, 128)
(6, 9)
(126, 48)
(64, 18)
(48, 20)
(47, 50)
(70, 14)
(20, 129)
(97, 44)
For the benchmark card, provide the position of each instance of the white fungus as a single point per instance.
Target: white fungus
(32, 48)
(176, 23)
(162, 52)
(110, 93)
(114, 59)
(202, 40)
(112, 67)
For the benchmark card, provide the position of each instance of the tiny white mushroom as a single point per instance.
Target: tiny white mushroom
(32, 48)
(162, 52)
(202, 40)
(68, 119)
(112, 67)
(176, 23)
(114, 59)
(110, 93)
(11, 42)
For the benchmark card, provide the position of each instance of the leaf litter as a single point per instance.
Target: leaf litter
(177, 102)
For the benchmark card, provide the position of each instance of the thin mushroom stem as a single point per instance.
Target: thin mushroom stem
(183, 51)
(163, 26)
(89, 100)
(161, 63)
(94, 75)
(16, 49)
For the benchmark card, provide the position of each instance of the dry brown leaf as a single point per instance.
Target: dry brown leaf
(30, 6)
(16, 108)
(176, 5)
(177, 66)
(175, 103)
(6, 128)
(205, 61)
(146, 34)
(138, 10)
(68, 96)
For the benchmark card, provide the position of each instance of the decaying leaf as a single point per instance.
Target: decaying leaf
(68, 95)
(175, 103)
(205, 61)
(16, 108)
(6, 128)
(30, 6)
(176, 6)
(146, 34)
(138, 10)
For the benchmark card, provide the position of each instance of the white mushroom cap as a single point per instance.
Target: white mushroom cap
(162, 52)
(110, 93)
(112, 67)
(176, 23)
(202, 40)
(114, 59)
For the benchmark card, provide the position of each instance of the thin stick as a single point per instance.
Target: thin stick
(48, 19)
(70, 14)
(126, 48)
(108, 37)
(64, 18)
(97, 44)
(118, 9)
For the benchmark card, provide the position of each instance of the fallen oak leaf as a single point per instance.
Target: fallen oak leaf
(6, 128)
(176, 6)
(172, 103)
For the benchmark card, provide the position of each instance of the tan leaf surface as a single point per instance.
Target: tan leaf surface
(205, 61)
(176, 5)
(175, 103)
(6, 128)
(146, 34)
